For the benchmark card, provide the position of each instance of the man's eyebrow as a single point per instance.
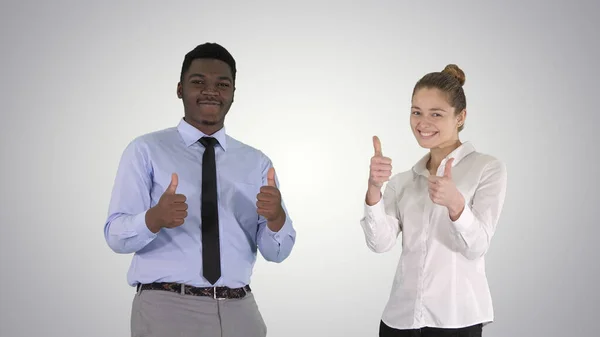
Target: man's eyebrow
(226, 78)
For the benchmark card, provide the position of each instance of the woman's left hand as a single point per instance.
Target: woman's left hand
(444, 192)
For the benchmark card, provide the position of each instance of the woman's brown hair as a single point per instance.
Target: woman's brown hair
(450, 81)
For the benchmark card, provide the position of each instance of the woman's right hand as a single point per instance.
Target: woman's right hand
(380, 171)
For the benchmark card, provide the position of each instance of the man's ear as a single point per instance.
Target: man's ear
(179, 90)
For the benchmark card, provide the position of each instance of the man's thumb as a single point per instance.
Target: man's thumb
(173, 185)
(271, 177)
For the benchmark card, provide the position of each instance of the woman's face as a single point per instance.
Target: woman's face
(432, 119)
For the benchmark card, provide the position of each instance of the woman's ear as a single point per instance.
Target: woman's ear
(462, 116)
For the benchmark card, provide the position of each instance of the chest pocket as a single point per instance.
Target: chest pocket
(238, 201)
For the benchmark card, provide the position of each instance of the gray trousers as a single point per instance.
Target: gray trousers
(157, 313)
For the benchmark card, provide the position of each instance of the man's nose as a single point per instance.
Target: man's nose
(210, 89)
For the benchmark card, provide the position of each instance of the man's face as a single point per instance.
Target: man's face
(207, 92)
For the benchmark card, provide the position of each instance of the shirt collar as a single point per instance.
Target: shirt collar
(191, 135)
(420, 168)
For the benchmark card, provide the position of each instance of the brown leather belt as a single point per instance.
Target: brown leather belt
(214, 292)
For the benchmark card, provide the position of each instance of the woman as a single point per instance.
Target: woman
(447, 207)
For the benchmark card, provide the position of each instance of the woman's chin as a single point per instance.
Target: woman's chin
(427, 144)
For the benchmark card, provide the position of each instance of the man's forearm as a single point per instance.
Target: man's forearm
(127, 234)
(275, 246)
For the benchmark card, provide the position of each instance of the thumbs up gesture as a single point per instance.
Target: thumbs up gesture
(268, 203)
(380, 171)
(381, 167)
(171, 209)
(443, 190)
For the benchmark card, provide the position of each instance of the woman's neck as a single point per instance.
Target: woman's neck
(439, 153)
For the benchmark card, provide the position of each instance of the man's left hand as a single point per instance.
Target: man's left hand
(268, 203)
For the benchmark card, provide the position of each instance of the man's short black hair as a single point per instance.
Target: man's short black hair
(208, 50)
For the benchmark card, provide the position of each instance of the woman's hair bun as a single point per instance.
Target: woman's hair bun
(455, 71)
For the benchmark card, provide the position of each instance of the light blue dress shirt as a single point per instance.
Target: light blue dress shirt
(175, 254)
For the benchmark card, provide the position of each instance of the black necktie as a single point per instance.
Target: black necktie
(211, 261)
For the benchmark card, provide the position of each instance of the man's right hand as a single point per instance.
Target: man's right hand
(170, 211)
(380, 172)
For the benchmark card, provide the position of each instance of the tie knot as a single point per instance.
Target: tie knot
(208, 141)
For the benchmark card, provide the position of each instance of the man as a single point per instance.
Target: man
(194, 206)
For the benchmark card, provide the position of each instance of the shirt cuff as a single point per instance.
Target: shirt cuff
(375, 212)
(465, 220)
(141, 228)
(283, 231)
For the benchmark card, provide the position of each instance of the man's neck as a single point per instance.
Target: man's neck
(207, 129)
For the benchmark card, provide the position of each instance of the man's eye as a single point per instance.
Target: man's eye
(224, 85)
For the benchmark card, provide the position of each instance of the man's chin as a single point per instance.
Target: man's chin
(209, 123)
(207, 119)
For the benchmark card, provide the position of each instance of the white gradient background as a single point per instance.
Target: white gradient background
(316, 80)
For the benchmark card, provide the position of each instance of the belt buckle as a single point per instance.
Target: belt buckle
(215, 295)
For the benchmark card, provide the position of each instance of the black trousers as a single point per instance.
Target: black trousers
(471, 331)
